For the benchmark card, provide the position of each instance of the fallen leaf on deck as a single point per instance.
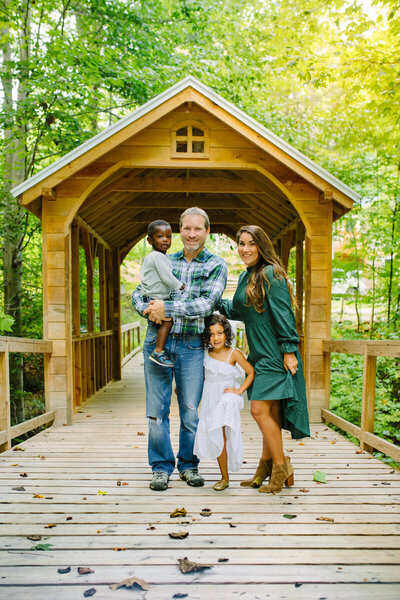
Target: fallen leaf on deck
(34, 538)
(151, 527)
(18, 449)
(100, 493)
(178, 512)
(89, 592)
(85, 570)
(42, 458)
(23, 474)
(359, 452)
(48, 497)
(222, 560)
(98, 531)
(50, 526)
(187, 566)
(287, 516)
(14, 465)
(68, 519)
(206, 512)
(118, 549)
(180, 595)
(329, 519)
(319, 476)
(63, 570)
(178, 535)
(19, 488)
(140, 433)
(38, 496)
(88, 416)
(231, 525)
(119, 482)
(303, 490)
(42, 547)
(301, 443)
(131, 583)
(291, 450)
(245, 462)
(385, 483)
(332, 442)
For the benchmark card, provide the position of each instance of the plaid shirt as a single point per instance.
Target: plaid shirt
(205, 280)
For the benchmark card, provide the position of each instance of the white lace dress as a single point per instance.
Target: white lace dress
(219, 410)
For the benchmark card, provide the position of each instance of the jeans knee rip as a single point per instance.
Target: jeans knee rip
(154, 421)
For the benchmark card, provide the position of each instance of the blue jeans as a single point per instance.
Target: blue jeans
(188, 355)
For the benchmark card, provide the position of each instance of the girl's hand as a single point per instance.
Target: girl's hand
(290, 362)
(230, 391)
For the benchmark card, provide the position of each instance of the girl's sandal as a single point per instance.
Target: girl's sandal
(221, 485)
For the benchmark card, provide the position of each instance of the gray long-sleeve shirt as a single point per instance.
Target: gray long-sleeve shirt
(156, 276)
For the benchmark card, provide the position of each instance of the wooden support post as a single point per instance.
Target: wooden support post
(5, 397)
(368, 398)
(299, 276)
(87, 240)
(75, 279)
(102, 287)
(116, 352)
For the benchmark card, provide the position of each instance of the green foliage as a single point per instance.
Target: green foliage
(5, 323)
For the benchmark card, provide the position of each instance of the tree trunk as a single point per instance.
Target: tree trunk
(15, 218)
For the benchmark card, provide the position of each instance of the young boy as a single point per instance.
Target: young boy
(158, 282)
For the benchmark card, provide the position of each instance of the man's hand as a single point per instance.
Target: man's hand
(290, 362)
(156, 311)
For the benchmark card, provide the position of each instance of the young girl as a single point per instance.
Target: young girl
(218, 432)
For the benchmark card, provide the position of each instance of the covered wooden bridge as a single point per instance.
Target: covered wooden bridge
(77, 496)
(188, 146)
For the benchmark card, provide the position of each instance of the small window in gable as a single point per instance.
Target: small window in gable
(190, 140)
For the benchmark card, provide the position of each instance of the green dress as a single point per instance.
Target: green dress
(270, 334)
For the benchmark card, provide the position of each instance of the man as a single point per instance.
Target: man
(204, 276)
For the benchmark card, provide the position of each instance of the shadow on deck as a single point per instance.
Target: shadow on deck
(62, 506)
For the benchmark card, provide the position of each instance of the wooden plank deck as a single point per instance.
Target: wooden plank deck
(86, 520)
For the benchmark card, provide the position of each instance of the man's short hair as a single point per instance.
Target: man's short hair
(195, 210)
(151, 228)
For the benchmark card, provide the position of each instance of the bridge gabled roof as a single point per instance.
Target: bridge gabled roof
(187, 82)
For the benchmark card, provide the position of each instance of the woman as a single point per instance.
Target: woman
(263, 300)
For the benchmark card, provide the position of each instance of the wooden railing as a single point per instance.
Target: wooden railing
(93, 363)
(12, 344)
(370, 350)
(129, 346)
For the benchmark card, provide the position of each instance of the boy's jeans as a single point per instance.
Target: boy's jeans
(187, 352)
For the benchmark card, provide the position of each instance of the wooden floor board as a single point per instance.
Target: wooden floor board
(335, 540)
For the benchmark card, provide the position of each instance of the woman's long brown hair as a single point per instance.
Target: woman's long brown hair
(255, 290)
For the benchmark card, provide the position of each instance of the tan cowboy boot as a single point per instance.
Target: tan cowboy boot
(263, 471)
(281, 475)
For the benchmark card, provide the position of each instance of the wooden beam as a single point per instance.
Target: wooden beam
(102, 288)
(90, 229)
(286, 246)
(49, 194)
(208, 185)
(116, 314)
(75, 279)
(5, 443)
(300, 232)
(368, 398)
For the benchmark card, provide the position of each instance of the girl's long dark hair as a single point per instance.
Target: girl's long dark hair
(255, 290)
(213, 320)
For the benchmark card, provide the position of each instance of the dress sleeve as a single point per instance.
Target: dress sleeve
(226, 308)
(283, 318)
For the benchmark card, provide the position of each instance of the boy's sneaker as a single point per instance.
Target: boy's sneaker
(161, 358)
(159, 481)
(192, 477)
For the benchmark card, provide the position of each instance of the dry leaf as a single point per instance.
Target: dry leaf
(178, 512)
(34, 538)
(100, 493)
(332, 442)
(187, 566)
(303, 490)
(328, 519)
(287, 516)
(50, 526)
(290, 450)
(301, 443)
(131, 583)
(19, 488)
(359, 452)
(118, 549)
(68, 519)
(119, 482)
(48, 497)
(18, 449)
(84, 570)
(38, 496)
(178, 535)
(88, 416)
(140, 433)
(63, 570)
(150, 527)
(89, 592)
(206, 512)
(23, 474)
(223, 560)
(180, 595)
